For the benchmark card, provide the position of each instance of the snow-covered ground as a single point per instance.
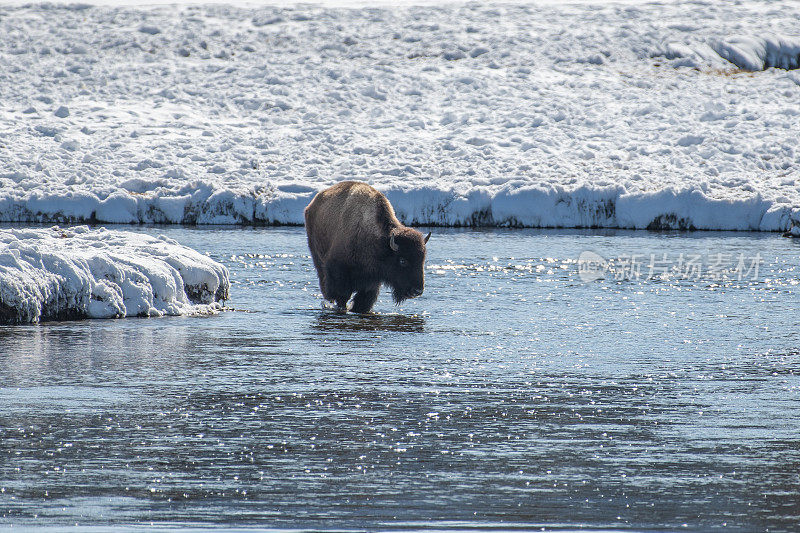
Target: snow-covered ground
(77, 273)
(629, 115)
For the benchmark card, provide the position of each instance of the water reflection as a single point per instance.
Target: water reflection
(335, 321)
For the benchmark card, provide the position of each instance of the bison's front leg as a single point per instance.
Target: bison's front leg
(365, 299)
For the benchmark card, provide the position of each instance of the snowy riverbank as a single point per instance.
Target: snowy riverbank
(81, 273)
(618, 115)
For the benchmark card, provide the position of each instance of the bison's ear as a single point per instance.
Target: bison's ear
(428, 236)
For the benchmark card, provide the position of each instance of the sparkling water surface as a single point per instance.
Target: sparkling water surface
(512, 395)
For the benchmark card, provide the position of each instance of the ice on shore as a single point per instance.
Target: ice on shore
(629, 115)
(70, 273)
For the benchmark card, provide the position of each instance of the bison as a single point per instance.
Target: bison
(357, 244)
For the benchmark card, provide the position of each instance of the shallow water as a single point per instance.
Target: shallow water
(511, 395)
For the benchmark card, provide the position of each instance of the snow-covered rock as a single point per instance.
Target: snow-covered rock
(543, 114)
(68, 273)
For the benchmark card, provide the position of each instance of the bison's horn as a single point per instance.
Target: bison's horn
(392, 244)
(428, 236)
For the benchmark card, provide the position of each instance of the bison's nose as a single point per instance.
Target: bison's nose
(416, 292)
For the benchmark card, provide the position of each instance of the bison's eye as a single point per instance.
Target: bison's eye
(403, 262)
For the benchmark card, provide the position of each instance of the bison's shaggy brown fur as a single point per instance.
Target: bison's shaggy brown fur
(357, 244)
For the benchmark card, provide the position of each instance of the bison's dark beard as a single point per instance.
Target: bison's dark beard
(398, 295)
(404, 293)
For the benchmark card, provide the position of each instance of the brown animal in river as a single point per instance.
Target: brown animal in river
(357, 244)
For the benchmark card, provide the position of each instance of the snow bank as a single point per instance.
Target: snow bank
(464, 114)
(70, 273)
(746, 52)
(759, 53)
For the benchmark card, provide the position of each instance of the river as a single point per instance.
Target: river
(518, 392)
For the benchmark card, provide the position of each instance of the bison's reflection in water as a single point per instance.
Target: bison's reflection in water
(330, 320)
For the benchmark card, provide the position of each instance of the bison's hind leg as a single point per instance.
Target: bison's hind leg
(336, 286)
(338, 295)
(365, 299)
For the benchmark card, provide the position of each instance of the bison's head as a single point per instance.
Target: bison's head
(405, 263)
